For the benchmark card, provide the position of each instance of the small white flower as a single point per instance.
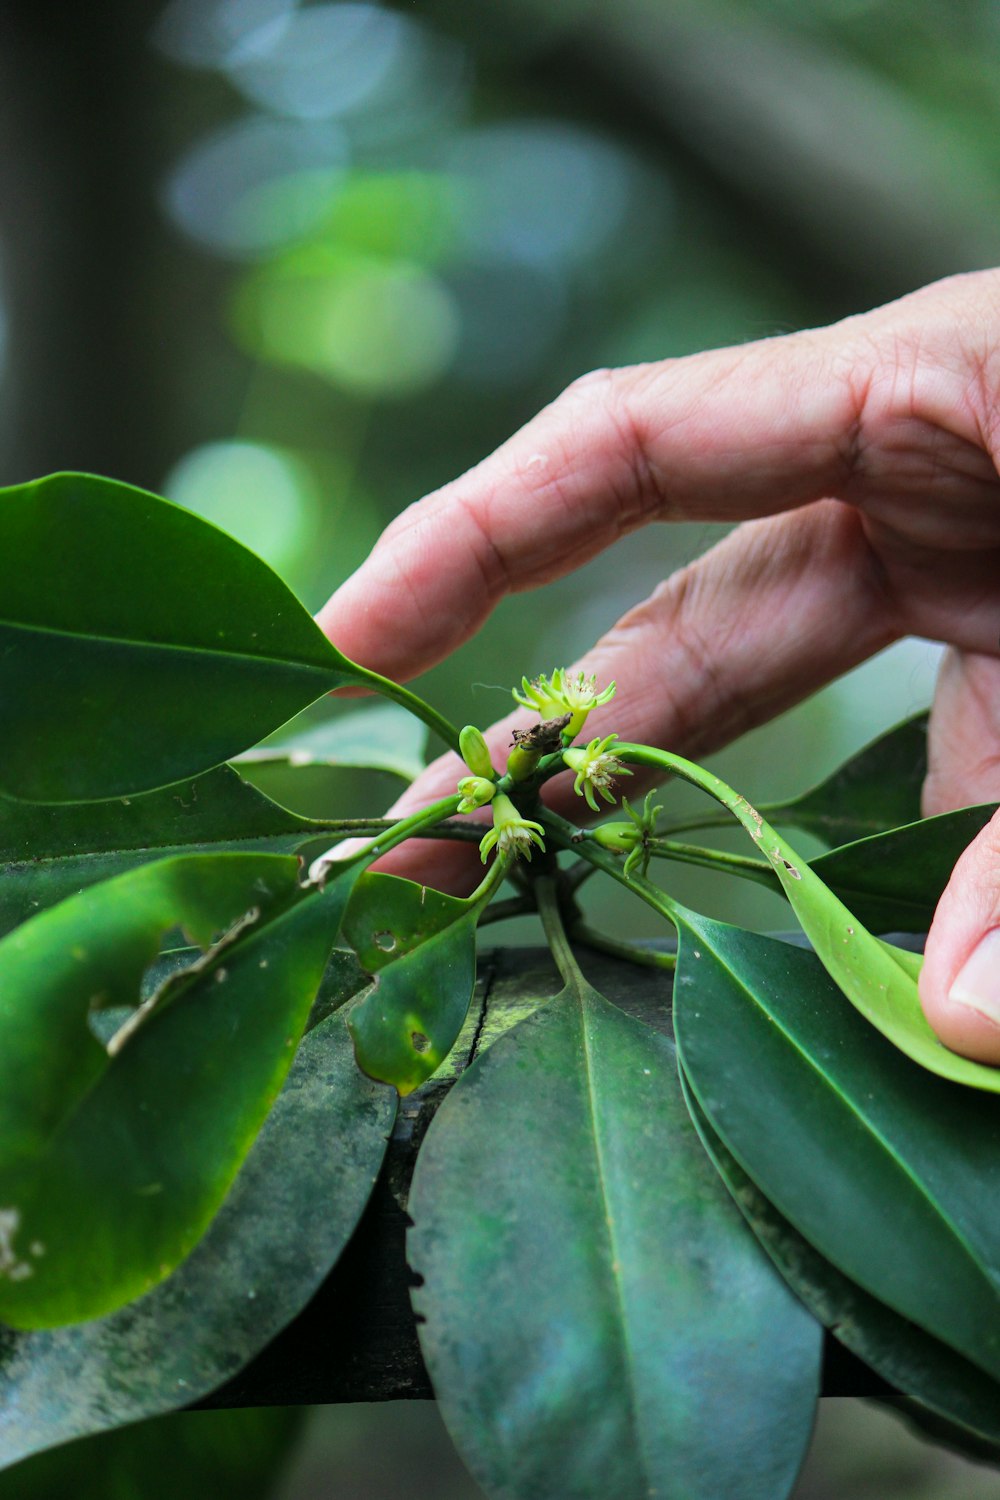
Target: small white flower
(563, 694)
(511, 834)
(596, 768)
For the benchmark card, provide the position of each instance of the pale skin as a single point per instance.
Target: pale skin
(862, 460)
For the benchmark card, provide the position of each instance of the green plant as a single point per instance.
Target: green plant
(597, 1315)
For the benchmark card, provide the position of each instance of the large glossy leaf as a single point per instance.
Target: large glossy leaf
(139, 645)
(893, 881)
(891, 1174)
(420, 946)
(897, 1349)
(262, 1258)
(384, 738)
(879, 979)
(113, 1162)
(597, 1320)
(48, 853)
(200, 1455)
(877, 789)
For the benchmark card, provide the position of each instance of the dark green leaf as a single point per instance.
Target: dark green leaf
(48, 853)
(421, 947)
(262, 1258)
(598, 1322)
(113, 1162)
(897, 1349)
(890, 1173)
(139, 645)
(893, 881)
(384, 738)
(201, 1455)
(877, 789)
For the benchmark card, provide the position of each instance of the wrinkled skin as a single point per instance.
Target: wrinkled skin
(861, 460)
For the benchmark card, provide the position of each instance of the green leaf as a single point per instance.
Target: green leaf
(597, 1320)
(893, 881)
(264, 1255)
(200, 1455)
(48, 853)
(880, 980)
(113, 1161)
(139, 645)
(897, 1349)
(877, 789)
(420, 945)
(891, 1174)
(385, 738)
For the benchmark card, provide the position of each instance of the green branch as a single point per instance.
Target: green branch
(428, 715)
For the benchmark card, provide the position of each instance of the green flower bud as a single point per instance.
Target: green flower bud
(475, 752)
(620, 838)
(476, 791)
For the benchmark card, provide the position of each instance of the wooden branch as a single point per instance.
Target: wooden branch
(357, 1339)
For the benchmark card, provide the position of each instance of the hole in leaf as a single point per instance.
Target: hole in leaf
(420, 1042)
(385, 940)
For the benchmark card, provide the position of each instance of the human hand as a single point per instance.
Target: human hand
(862, 460)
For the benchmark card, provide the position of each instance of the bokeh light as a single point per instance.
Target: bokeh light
(261, 496)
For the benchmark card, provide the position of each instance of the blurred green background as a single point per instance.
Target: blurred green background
(296, 264)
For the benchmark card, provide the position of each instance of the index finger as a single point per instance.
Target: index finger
(722, 436)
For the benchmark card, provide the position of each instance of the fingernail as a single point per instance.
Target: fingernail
(977, 983)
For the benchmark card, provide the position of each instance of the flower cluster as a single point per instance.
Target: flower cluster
(563, 694)
(511, 834)
(596, 768)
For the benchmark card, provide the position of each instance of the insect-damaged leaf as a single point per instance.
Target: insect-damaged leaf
(420, 946)
(878, 978)
(260, 1261)
(139, 645)
(112, 1163)
(893, 1175)
(597, 1319)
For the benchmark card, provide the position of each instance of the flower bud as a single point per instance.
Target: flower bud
(475, 791)
(475, 752)
(620, 838)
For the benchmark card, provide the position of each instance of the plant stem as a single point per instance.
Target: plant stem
(416, 705)
(547, 894)
(491, 881)
(501, 911)
(396, 833)
(651, 958)
(602, 859)
(716, 859)
(691, 825)
(460, 829)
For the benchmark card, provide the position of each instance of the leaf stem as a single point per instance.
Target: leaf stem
(716, 859)
(491, 882)
(397, 833)
(547, 895)
(502, 911)
(428, 715)
(651, 958)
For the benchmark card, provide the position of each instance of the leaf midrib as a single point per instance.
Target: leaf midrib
(183, 647)
(875, 1134)
(583, 998)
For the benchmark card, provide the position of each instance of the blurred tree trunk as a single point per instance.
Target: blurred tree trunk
(86, 388)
